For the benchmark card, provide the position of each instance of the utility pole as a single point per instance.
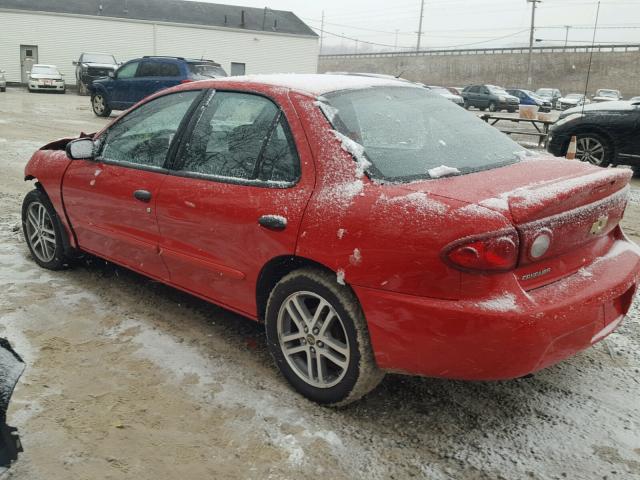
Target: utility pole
(395, 45)
(321, 32)
(533, 3)
(566, 37)
(420, 25)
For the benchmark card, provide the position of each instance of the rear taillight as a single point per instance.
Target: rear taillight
(186, 80)
(496, 251)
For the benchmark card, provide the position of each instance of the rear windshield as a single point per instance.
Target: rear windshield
(607, 93)
(205, 70)
(545, 92)
(98, 58)
(407, 131)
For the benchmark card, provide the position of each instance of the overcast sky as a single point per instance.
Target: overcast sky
(449, 23)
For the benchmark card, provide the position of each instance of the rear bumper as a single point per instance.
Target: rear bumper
(516, 334)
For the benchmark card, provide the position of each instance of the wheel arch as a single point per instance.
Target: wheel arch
(274, 270)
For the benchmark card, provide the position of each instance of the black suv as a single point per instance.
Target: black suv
(489, 96)
(141, 77)
(90, 67)
(607, 133)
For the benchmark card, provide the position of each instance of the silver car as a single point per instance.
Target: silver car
(45, 77)
(3, 82)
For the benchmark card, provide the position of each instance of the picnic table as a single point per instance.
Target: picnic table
(541, 126)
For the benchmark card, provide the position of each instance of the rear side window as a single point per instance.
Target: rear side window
(280, 161)
(231, 135)
(407, 131)
(158, 69)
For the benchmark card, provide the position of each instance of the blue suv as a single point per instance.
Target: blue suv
(141, 77)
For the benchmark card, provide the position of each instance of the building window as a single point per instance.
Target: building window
(237, 68)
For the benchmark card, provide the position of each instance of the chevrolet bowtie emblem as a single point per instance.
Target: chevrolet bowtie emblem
(598, 225)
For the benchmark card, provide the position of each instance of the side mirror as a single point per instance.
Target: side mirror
(112, 74)
(80, 149)
(75, 62)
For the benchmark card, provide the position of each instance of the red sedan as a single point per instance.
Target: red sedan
(371, 225)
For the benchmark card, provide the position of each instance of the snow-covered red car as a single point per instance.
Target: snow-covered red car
(373, 226)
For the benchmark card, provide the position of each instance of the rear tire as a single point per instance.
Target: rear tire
(318, 336)
(99, 105)
(493, 107)
(466, 105)
(3, 89)
(43, 231)
(594, 148)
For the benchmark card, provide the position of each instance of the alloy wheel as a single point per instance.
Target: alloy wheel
(98, 104)
(41, 234)
(589, 149)
(313, 339)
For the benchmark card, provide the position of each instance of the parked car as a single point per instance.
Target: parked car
(3, 82)
(551, 94)
(635, 99)
(527, 97)
(446, 93)
(141, 77)
(433, 247)
(90, 67)
(489, 96)
(455, 90)
(607, 133)
(607, 95)
(46, 78)
(572, 100)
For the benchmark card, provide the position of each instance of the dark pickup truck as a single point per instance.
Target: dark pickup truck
(90, 67)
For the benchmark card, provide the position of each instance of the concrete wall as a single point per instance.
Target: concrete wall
(61, 38)
(566, 71)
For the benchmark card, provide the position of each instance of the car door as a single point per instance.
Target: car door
(236, 198)
(156, 74)
(110, 201)
(484, 97)
(120, 89)
(471, 95)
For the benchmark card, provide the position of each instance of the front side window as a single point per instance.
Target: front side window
(234, 133)
(144, 136)
(128, 70)
(158, 69)
(407, 131)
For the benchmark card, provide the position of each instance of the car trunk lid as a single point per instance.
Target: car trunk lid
(576, 205)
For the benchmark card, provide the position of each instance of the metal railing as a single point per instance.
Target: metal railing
(492, 51)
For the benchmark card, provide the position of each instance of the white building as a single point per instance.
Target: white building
(242, 40)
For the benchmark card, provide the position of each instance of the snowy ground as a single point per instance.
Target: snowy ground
(127, 378)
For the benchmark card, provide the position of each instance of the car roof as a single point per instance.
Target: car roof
(319, 84)
(44, 65)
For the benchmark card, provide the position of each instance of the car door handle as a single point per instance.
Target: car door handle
(142, 195)
(273, 222)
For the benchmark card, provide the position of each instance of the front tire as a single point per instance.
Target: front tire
(493, 107)
(594, 148)
(43, 231)
(317, 334)
(99, 105)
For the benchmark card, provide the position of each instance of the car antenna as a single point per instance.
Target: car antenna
(593, 43)
(400, 74)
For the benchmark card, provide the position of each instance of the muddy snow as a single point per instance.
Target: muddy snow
(127, 378)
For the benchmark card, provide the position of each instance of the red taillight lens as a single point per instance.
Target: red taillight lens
(186, 80)
(496, 251)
